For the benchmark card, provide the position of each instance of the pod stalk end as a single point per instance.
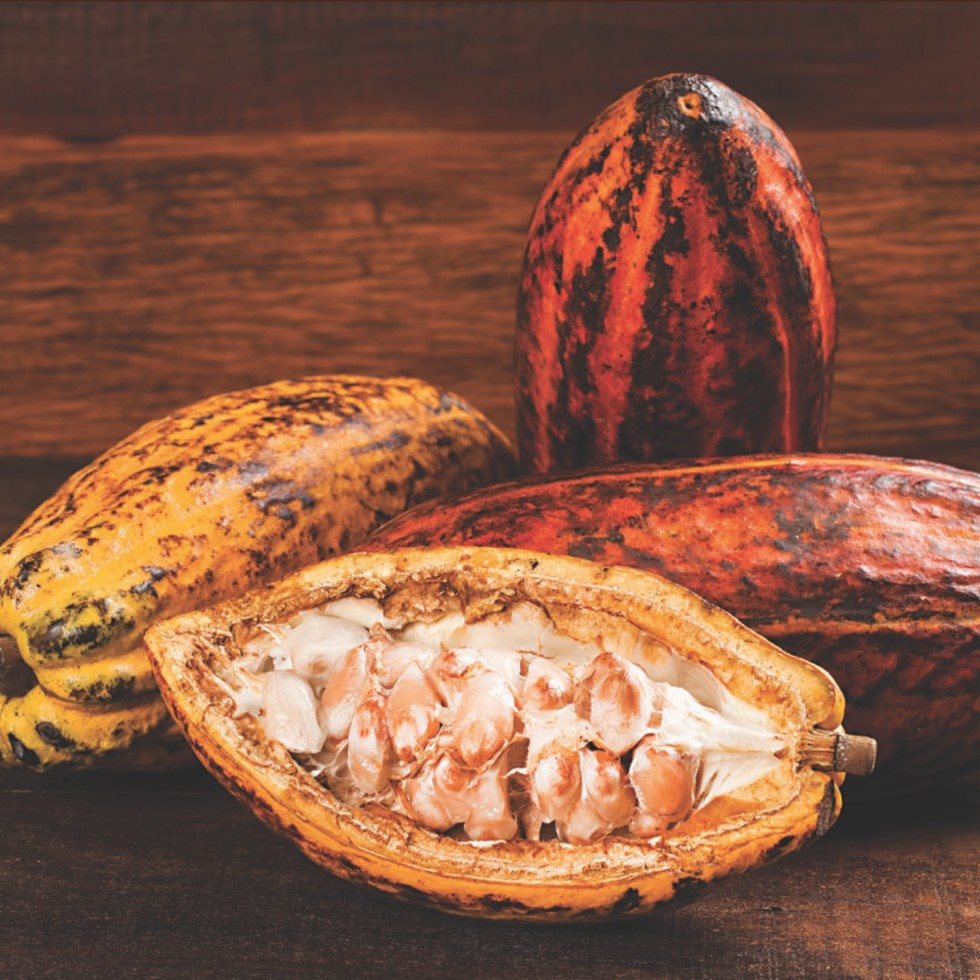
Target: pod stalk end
(840, 752)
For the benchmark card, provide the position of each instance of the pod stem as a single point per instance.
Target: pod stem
(839, 752)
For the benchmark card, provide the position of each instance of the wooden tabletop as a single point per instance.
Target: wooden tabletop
(200, 197)
(168, 875)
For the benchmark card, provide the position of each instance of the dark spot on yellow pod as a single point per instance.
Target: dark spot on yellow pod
(213, 465)
(27, 567)
(688, 889)
(52, 735)
(105, 691)
(630, 899)
(21, 752)
(494, 904)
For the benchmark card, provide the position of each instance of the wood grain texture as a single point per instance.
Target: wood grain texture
(145, 273)
(85, 70)
(168, 876)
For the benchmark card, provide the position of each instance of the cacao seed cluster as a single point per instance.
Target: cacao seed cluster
(497, 742)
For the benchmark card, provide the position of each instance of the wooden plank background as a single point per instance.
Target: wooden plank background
(151, 271)
(99, 70)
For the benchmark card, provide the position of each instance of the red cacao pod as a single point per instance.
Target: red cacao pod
(676, 298)
(868, 566)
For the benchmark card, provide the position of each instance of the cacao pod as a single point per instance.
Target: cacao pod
(867, 566)
(768, 749)
(676, 298)
(232, 491)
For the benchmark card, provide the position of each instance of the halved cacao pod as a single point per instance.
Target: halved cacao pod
(232, 491)
(755, 803)
(866, 565)
(676, 298)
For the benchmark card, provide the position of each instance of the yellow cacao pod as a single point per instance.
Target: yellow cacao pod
(225, 494)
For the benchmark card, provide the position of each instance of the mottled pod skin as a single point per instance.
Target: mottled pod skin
(228, 493)
(867, 566)
(676, 298)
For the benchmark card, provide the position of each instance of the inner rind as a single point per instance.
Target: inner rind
(542, 780)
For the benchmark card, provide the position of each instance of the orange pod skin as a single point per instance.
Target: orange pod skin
(676, 298)
(868, 566)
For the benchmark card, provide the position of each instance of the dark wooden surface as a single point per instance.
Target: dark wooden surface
(84, 70)
(200, 196)
(168, 876)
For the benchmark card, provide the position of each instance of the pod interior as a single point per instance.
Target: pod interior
(759, 725)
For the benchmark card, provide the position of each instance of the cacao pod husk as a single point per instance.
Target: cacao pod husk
(229, 492)
(676, 298)
(865, 565)
(194, 658)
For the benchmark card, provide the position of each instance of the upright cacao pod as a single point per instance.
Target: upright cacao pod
(676, 298)
(867, 566)
(227, 493)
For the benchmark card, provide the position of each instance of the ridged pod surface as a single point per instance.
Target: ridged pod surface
(222, 495)
(676, 298)
(867, 566)
(194, 657)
